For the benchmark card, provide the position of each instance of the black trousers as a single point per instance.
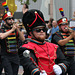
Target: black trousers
(71, 69)
(10, 67)
(1, 68)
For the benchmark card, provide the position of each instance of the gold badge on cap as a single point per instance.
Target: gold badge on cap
(35, 11)
(64, 19)
(9, 13)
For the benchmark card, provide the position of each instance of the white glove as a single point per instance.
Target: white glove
(43, 72)
(57, 69)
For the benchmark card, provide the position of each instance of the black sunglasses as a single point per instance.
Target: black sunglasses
(9, 18)
(39, 30)
(64, 24)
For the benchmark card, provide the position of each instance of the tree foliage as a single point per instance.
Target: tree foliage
(26, 2)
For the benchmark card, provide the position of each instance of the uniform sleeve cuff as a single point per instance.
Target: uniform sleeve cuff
(63, 66)
(34, 71)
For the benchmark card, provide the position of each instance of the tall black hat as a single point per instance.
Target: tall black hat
(33, 18)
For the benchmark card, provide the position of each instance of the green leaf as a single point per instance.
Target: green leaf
(34, 0)
(27, 2)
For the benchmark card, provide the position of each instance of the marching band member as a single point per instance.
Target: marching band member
(9, 44)
(41, 57)
(65, 39)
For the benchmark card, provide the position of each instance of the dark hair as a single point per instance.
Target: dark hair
(51, 19)
(51, 24)
(26, 6)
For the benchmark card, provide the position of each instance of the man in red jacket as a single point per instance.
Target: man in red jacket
(39, 57)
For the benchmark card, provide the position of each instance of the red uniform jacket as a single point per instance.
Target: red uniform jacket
(45, 54)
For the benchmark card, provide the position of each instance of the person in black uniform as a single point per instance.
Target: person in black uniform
(10, 34)
(39, 57)
(1, 66)
(65, 39)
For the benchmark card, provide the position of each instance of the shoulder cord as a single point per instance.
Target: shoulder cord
(58, 35)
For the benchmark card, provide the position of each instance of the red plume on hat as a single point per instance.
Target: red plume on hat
(7, 12)
(61, 11)
(4, 4)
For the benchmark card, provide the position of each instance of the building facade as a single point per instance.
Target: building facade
(50, 8)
